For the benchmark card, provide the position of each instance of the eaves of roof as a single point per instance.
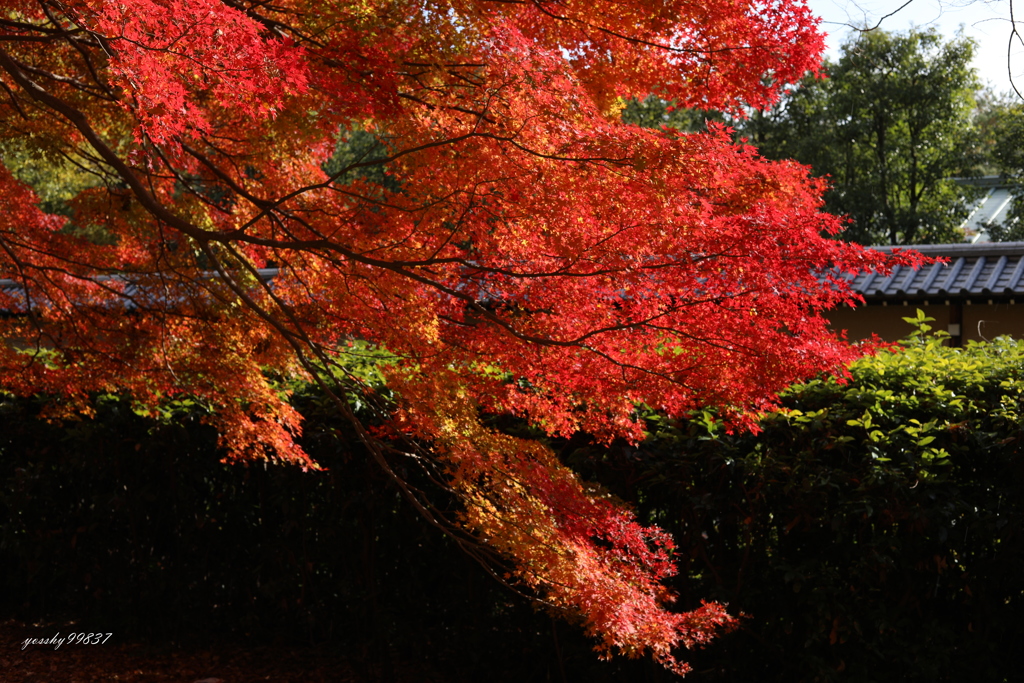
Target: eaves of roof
(973, 271)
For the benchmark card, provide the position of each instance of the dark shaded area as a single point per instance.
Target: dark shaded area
(873, 532)
(131, 525)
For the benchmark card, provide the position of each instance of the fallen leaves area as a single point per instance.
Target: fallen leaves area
(122, 660)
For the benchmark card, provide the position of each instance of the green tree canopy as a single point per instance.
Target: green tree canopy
(1006, 131)
(891, 126)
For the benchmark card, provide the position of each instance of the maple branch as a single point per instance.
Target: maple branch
(267, 206)
(478, 114)
(520, 236)
(25, 26)
(402, 268)
(300, 344)
(26, 39)
(76, 37)
(634, 39)
(14, 100)
(98, 91)
(79, 120)
(280, 29)
(448, 65)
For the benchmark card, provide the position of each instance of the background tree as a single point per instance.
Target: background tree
(1006, 132)
(891, 127)
(654, 112)
(516, 248)
(991, 109)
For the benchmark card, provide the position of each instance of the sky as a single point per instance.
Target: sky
(987, 21)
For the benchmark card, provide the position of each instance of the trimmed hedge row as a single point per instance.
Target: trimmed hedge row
(873, 531)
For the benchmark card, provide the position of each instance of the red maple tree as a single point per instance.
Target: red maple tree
(507, 241)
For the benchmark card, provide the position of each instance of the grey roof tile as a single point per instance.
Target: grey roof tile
(973, 270)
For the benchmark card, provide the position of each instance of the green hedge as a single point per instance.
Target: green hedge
(872, 530)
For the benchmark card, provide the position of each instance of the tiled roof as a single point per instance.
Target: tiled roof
(982, 270)
(133, 294)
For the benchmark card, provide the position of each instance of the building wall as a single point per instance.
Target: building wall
(885, 321)
(979, 320)
(988, 321)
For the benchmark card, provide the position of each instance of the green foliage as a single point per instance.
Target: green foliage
(55, 178)
(357, 156)
(891, 126)
(1010, 230)
(991, 109)
(873, 530)
(1006, 128)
